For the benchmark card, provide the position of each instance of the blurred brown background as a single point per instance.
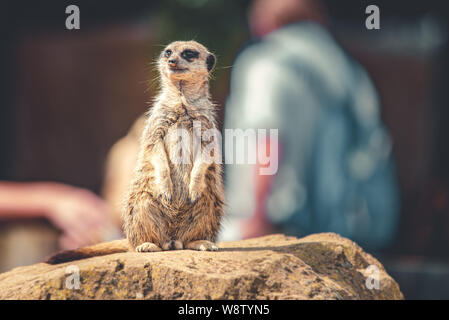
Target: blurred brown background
(67, 96)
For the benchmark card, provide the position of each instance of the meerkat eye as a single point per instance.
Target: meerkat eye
(189, 54)
(167, 53)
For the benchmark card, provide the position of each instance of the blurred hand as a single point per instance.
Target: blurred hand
(254, 227)
(81, 215)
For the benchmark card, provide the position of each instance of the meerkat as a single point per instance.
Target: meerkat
(172, 205)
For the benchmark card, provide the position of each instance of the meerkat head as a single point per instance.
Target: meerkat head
(187, 61)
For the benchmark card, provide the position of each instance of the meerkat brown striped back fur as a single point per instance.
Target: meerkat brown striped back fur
(176, 204)
(172, 204)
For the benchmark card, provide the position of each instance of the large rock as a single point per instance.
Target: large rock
(320, 266)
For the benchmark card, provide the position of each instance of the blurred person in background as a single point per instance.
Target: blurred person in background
(82, 216)
(335, 170)
(61, 98)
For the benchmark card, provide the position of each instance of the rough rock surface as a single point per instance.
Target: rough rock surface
(320, 266)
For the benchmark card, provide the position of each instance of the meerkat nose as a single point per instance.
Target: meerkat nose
(172, 62)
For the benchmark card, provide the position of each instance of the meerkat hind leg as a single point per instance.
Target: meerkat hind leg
(202, 245)
(173, 245)
(148, 247)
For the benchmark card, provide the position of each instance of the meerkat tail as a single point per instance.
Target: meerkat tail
(96, 250)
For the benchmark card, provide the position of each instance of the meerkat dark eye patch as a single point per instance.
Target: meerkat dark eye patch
(167, 53)
(189, 54)
(210, 62)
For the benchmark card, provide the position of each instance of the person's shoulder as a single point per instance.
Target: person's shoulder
(252, 51)
(257, 61)
(253, 42)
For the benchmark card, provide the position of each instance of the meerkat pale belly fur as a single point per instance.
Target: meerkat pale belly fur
(171, 205)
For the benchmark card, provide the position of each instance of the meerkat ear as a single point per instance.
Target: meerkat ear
(210, 62)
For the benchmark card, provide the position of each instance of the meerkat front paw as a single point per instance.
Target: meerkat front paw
(148, 247)
(202, 245)
(166, 189)
(173, 245)
(196, 189)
